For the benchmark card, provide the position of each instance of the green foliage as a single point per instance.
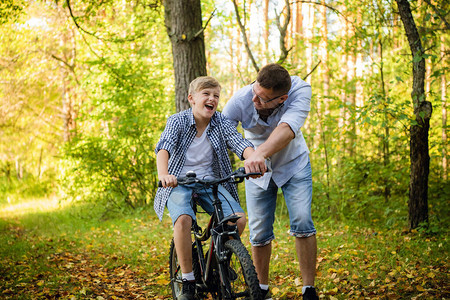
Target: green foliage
(111, 160)
(10, 10)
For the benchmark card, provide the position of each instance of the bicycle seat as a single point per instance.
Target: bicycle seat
(231, 218)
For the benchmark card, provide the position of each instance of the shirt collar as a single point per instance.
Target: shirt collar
(212, 123)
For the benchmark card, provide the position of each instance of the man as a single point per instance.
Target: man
(271, 111)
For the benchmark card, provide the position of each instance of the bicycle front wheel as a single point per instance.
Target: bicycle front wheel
(242, 278)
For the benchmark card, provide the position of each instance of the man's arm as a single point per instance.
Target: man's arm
(162, 164)
(278, 140)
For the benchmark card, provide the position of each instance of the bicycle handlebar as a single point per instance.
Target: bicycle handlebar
(237, 177)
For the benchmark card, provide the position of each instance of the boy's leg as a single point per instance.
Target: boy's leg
(229, 206)
(183, 242)
(241, 222)
(181, 213)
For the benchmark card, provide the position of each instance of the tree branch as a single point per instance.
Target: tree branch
(315, 67)
(439, 14)
(244, 36)
(283, 32)
(114, 40)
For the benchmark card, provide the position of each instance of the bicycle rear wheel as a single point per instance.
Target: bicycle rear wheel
(242, 278)
(176, 280)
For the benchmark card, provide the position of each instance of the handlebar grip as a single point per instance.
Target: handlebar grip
(241, 170)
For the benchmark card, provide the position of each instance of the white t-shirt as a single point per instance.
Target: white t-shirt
(199, 157)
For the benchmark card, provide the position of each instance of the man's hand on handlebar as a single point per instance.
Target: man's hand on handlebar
(255, 164)
(168, 180)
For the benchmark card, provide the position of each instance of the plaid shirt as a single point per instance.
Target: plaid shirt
(178, 135)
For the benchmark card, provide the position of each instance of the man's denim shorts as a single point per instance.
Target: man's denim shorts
(261, 206)
(179, 202)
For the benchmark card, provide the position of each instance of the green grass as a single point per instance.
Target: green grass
(79, 252)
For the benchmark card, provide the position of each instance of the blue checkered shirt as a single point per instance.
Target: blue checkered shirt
(178, 135)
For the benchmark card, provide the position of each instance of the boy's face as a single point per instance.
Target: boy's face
(204, 102)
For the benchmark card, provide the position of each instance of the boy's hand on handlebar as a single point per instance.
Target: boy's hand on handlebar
(168, 180)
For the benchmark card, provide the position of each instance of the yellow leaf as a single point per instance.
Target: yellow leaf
(298, 281)
(162, 281)
(420, 288)
(40, 283)
(431, 275)
(183, 36)
(336, 256)
(275, 290)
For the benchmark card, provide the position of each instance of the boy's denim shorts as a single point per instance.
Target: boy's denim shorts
(179, 202)
(261, 206)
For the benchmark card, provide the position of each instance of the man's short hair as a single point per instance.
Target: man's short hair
(203, 82)
(274, 77)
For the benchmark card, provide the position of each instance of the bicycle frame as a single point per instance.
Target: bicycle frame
(214, 270)
(218, 230)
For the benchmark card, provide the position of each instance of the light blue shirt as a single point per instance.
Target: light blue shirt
(293, 112)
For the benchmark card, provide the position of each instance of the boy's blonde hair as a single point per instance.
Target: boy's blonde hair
(203, 82)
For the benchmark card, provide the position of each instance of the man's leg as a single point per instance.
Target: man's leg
(298, 196)
(306, 253)
(261, 259)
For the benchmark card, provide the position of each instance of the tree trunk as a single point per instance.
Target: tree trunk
(266, 27)
(444, 113)
(386, 136)
(420, 158)
(183, 21)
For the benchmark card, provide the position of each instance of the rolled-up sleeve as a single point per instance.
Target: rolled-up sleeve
(298, 108)
(235, 141)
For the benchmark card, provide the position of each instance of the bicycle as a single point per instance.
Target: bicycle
(225, 270)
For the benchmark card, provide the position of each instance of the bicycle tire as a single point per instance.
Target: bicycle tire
(175, 270)
(244, 283)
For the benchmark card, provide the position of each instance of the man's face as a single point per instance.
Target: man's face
(204, 103)
(265, 98)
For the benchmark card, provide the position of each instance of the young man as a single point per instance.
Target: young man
(197, 140)
(272, 110)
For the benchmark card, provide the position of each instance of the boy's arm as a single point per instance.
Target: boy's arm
(162, 164)
(247, 152)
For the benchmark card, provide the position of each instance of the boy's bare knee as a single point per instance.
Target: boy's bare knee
(183, 221)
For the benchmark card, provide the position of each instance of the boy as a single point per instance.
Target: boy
(197, 139)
